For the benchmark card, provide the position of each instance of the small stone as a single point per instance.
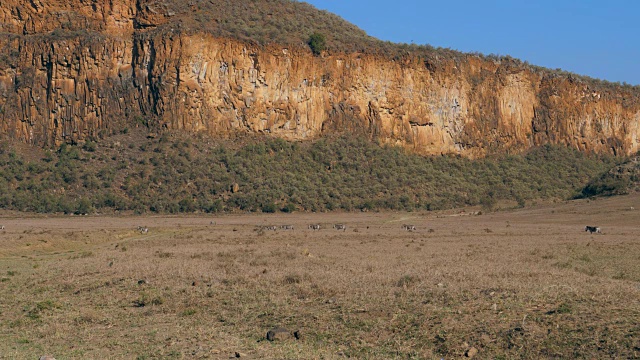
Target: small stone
(486, 339)
(195, 283)
(440, 285)
(471, 352)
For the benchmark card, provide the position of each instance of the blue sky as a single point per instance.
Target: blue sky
(595, 38)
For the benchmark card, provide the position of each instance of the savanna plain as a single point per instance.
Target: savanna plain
(514, 284)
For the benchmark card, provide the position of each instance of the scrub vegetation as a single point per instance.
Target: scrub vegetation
(176, 173)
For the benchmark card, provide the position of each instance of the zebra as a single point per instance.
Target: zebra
(342, 227)
(314, 227)
(286, 227)
(1, 227)
(143, 229)
(270, 227)
(409, 227)
(592, 229)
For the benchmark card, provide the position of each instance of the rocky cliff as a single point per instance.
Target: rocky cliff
(79, 69)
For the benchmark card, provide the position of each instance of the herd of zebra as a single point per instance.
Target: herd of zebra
(406, 227)
(313, 227)
(317, 227)
(343, 227)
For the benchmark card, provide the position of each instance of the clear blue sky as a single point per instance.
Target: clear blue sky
(599, 38)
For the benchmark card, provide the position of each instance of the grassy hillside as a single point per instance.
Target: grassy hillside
(268, 21)
(175, 173)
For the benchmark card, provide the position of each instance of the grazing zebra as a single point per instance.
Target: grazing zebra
(286, 227)
(271, 227)
(409, 227)
(143, 229)
(314, 227)
(342, 227)
(592, 229)
(1, 227)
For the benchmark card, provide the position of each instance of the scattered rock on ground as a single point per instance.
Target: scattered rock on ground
(471, 352)
(486, 339)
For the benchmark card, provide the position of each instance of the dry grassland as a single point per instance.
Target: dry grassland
(523, 284)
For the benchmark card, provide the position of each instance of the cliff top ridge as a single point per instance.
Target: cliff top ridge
(263, 22)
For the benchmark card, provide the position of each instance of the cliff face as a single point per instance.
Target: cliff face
(74, 70)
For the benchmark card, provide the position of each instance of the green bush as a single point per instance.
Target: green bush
(317, 42)
(269, 208)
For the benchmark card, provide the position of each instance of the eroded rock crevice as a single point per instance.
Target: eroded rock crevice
(97, 68)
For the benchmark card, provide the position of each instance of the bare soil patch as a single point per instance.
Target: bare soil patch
(523, 284)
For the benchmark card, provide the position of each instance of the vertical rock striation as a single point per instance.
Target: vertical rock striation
(75, 70)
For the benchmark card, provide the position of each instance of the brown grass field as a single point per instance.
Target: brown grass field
(517, 284)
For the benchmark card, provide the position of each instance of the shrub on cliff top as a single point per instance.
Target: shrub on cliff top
(317, 43)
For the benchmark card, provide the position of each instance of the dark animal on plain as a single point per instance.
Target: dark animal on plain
(592, 229)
